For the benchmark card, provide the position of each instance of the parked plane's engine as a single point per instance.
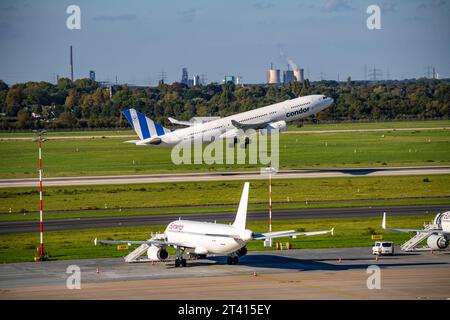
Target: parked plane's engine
(279, 125)
(155, 253)
(242, 252)
(437, 242)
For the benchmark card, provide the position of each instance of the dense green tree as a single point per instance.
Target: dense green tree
(85, 104)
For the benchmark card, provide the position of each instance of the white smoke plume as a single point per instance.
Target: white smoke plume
(285, 58)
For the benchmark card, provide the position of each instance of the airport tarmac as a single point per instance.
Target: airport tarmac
(225, 176)
(288, 274)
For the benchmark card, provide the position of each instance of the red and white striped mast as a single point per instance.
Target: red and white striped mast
(39, 140)
(270, 204)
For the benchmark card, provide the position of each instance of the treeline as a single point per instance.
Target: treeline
(84, 104)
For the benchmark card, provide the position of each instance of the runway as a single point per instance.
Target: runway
(163, 219)
(116, 136)
(225, 176)
(292, 274)
(367, 130)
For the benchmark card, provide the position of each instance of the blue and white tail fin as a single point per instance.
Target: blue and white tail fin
(144, 127)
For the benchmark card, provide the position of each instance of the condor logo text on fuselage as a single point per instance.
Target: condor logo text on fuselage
(297, 112)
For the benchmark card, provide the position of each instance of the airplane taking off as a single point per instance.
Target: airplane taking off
(439, 231)
(272, 117)
(203, 238)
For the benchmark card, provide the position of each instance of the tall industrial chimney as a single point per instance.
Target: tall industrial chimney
(71, 64)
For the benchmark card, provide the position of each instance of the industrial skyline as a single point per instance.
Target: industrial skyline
(136, 41)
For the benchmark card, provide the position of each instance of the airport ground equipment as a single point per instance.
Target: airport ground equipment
(136, 254)
(411, 244)
(383, 248)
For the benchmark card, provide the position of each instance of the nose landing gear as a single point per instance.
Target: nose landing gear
(232, 260)
(180, 261)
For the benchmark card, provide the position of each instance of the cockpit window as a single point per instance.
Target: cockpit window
(324, 97)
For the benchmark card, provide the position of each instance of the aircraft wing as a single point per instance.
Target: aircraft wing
(149, 242)
(245, 126)
(289, 233)
(383, 225)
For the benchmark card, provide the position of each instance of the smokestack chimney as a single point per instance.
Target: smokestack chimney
(71, 64)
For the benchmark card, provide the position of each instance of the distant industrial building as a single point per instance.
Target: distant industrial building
(231, 79)
(196, 80)
(273, 75)
(92, 75)
(299, 75)
(288, 76)
(184, 76)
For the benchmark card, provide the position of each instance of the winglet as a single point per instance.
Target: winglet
(95, 242)
(383, 223)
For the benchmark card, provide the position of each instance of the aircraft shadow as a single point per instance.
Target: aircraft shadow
(289, 263)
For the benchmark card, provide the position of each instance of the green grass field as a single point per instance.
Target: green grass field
(371, 125)
(331, 150)
(78, 244)
(224, 193)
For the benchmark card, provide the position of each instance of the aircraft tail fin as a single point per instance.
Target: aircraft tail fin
(241, 215)
(143, 126)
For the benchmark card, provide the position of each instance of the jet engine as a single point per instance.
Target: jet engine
(242, 252)
(155, 253)
(279, 125)
(436, 242)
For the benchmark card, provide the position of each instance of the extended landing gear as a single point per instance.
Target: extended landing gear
(180, 261)
(247, 141)
(232, 260)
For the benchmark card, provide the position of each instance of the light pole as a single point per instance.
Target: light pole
(39, 139)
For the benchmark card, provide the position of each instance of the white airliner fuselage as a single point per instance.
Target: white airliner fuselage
(271, 117)
(208, 237)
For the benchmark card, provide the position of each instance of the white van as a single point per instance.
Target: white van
(383, 248)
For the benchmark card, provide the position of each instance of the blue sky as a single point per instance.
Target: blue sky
(137, 39)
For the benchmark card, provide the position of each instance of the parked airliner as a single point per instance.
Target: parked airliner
(203, 238)
(439, 231)
(272, 117)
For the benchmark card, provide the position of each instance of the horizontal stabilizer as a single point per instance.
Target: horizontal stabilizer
(183, 123)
